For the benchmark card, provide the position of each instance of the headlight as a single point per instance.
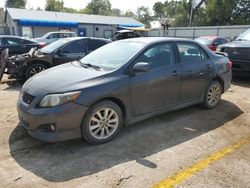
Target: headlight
(57, 99)
(218, 49)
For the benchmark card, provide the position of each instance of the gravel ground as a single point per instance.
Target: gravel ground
(142, 155)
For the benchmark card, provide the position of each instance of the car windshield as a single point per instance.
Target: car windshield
(244, 36)
(54, 45)
(204, 41)
(113, 55)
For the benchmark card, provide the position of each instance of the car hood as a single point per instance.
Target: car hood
(67, 77)
(240, 44)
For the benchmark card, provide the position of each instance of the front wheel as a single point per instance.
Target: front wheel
(102, 122)
(212, 95)
(34, 69)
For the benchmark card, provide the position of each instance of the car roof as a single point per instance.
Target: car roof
(148, 40)
(61, 32)
(78, 38)
(18, 37)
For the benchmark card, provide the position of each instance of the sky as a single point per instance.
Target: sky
(78, 4)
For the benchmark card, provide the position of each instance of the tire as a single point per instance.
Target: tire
(212, 95)
(34, 68)
(96, 128)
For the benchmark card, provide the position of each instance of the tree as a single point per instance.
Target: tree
(15, 3)
(99, 7)
(143, 16)
(116, 12)
(158, 9)
(54, 5)
(129, 13)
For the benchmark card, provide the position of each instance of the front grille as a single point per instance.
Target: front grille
(238, 53)
(27, 98)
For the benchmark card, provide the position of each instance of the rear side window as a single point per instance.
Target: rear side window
(53, 36)
(158, 55)
(191, 52)
(65, 35)
(12, 41)
(1, 41)
(78, 46)
(223, 41)
(94, 44)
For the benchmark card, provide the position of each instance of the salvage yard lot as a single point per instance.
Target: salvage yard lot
(143, 155)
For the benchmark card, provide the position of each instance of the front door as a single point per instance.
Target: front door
(71, 52)
(159, 87)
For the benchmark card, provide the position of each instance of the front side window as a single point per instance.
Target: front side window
(78, 46)
(190, 52)
(158, 56)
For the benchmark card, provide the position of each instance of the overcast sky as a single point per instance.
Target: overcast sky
(78, 4)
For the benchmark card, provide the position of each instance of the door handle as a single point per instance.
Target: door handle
(201, 73)
(175, 73)
(23, 46)
(209, 66)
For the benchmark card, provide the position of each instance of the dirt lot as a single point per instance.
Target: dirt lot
(144, 154)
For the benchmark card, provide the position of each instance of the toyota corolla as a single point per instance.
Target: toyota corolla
(121, 83)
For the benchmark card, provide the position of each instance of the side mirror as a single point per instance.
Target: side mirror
(141, 67)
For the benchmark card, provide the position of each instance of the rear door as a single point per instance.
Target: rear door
(71, 52)
(158, 87)
(15, 45)
(196, 68)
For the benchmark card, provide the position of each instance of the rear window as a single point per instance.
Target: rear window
(94, 44)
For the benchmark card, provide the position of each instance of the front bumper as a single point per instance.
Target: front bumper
(66, 118)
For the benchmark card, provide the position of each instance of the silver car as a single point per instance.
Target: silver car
(54, 36)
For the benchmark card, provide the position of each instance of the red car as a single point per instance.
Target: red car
(212, 42)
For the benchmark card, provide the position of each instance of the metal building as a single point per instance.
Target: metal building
(34, 23)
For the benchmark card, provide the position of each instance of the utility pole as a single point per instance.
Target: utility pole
(191, 13)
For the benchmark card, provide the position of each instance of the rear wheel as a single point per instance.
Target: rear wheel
(34, 69)
(212, 95)
(102, 122)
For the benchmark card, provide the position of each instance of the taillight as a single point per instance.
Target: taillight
(229, 65)
(42, 45)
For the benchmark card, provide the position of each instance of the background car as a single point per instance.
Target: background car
(212, 42)
(18, 45)
(54, 36)
(239, 53)
(124, 34)
(56, 53)
(122, 82)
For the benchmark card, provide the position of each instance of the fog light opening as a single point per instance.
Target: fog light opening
(52, 127)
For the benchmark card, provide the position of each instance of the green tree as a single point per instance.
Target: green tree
(99, 7)
(2, 12)
(129, 13)
(116, 12)
(15, 3)
(143, 16)
(158, 9)
(54, 5)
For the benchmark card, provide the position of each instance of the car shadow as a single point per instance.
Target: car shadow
(68, 160)
(241, 81)
(12, 86)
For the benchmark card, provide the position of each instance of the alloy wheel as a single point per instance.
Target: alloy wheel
(103, 123)
(214, 95)
(36, 70)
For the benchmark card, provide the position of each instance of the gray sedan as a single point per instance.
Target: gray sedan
(121, 83)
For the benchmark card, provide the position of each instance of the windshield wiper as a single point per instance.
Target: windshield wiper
(91, 65)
